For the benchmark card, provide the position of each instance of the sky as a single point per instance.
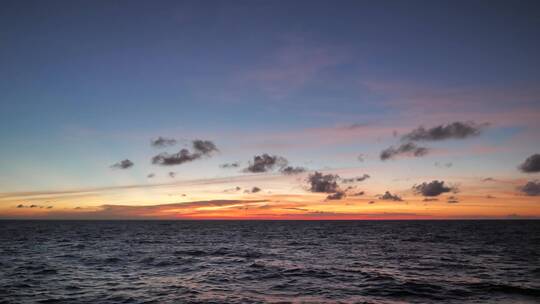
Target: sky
(269, 109)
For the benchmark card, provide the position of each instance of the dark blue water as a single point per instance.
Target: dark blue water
(280, 262)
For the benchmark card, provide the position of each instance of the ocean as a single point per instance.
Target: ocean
(487, 261)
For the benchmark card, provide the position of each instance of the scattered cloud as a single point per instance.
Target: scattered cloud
(265, 163)
(488, 179)
(434, 188)
(124, 164)
(204, 147)
(255, 190)
(323, 183)
(430, 199)
(172, 174)
(531, 164)
(151, 175)
(452, 200)
(532, 188)
(289, 170)
(455, 130)
(230, 165)
(360, 193)
(336, 196)
(356, 179)
(404, 149)
(183, 156)
(201, 148)
(162, 142)
(387, 196)
(20, 206)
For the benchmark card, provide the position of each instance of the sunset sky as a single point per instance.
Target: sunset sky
(285, 109)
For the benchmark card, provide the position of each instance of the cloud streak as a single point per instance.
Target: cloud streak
(124, 164)
(404, 149)
(455, 130)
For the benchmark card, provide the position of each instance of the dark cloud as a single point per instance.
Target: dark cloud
(325, 183)
(201, 148)
(252, 190)
(452, 200)
(434, 188)
(404, 149)
(356, 179)
(489, 196)
(430, 199)
(255, 189)
(162, 142)
(360, 158)
(488, 179)
(183, 156)
(336, 196)
(230, 165)
(289, 170)
(531, 164)
(455, 130)
(124, 164)
(172, 174)
(387, 196)
(265, 163)
(358, 193)
(371, 202)
(204, 147)
(531, 188)
(151, 175)
(33, 206)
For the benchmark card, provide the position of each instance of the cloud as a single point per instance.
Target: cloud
(531, 164)
(356, 179)
(361, 158)
(289, 170)
(265, 163)
(201, 148)
(20, 206)
(360, 193)
(204, 147)
(489, 196)
(452, 200)
(455, 130)
(371, 202)
(387, 196)
(404, 149)
(323, 183)
(488, 179)
(255, 189)
(434, 188)
(183, 156)
(151, 175)
(532, 188)
(430, 199)
(172, 174)
(336, 196)
(162, 142)
(124, 164)
(230, 165)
